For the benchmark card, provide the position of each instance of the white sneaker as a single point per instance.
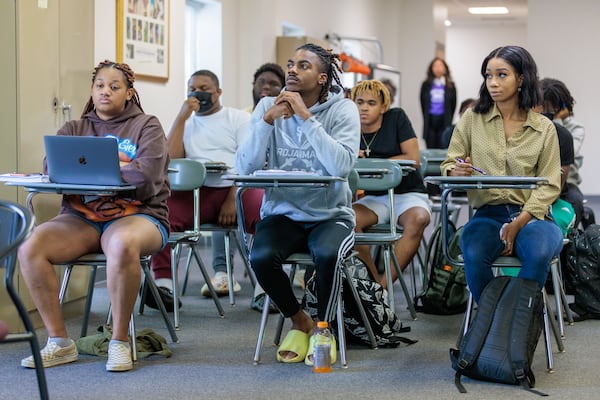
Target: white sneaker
(221, 285)
(53, 355)
(119, 357)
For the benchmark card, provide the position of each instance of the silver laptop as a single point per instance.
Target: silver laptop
(83, 160)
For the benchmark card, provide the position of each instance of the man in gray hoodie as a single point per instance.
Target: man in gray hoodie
(309, 127)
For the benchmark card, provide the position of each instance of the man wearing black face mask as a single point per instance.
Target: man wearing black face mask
(205, 130)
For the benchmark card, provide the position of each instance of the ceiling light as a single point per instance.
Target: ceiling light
(488, 10)
(448, 22)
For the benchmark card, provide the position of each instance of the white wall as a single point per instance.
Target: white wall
(563, 41)
(555, 34)
(467, 46)
(157, 98)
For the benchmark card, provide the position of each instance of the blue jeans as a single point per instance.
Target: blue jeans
(535, 245)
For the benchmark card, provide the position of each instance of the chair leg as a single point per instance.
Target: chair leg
(175, 253)
(30, 336)
(149, 280)
(244, 254)
(409, 300)
(341, 331)
(88, 301)
(211, 288)
(65, 283)
(560, 298)
(132, 338)
(547, 338)
(229, 266)
(261, 330)
(361, 309)
(186, 275)
(552, 323)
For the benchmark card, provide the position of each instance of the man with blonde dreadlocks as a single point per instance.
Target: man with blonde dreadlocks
(387, 133)
(308, 127)
(123, 227)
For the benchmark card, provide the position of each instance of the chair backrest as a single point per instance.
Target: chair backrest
(433, 157)
(15, 224)
(377, 174)
(186, 174)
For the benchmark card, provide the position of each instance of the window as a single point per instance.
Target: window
(203, 37)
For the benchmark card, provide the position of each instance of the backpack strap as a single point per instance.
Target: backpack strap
(522, 370)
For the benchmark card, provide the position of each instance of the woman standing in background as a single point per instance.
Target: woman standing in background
(438, 102)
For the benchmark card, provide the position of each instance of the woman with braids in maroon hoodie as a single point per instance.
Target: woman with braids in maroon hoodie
(124, 226)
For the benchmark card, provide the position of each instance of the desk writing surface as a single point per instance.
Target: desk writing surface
(486, 180)
(280, 178)
(212, 166)
(64, 188)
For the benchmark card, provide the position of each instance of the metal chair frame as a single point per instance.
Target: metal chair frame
(95, 260)
(294, 260)
(512, 262)
(383, 175)
(16, 223)
(185, 175)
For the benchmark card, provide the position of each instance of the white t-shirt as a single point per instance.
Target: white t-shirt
(216, 138)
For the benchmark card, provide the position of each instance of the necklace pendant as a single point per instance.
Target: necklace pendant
(367, 151)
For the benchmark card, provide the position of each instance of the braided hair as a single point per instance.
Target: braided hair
(330, 64)
(556, 93)
(129, 76)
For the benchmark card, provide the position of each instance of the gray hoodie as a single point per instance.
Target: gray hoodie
(325, 144)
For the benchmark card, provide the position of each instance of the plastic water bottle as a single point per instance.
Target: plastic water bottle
(322, 349)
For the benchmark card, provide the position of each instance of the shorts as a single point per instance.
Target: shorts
(101, 227)
(402, 202)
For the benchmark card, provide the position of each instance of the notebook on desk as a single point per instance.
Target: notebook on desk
(83, 161)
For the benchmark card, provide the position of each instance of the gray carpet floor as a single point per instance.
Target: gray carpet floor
(213, 360)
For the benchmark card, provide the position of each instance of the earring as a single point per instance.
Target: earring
(519, 89)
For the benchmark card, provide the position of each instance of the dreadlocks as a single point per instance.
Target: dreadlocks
(331, 66)
(376, 88)
(129, 76)
(556, 93)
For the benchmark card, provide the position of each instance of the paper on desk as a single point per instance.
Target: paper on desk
(23, 178)
(268, 172)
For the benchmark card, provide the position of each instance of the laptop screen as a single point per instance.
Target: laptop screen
(83, 160)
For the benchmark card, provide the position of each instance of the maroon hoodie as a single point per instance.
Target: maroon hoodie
(142, 143)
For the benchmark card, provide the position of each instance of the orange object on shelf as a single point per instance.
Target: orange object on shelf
(352, 64)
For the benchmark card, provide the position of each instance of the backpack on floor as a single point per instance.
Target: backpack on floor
(445, 292)
(385, 323)
(582, 269)
(502, 338)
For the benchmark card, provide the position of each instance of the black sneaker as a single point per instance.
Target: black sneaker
(166, 295)
(258, 303)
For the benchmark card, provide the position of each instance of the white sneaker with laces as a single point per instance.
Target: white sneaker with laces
(221, 285)
(119, 358)
(53, 355)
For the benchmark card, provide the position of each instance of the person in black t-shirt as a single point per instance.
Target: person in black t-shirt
(388, 133)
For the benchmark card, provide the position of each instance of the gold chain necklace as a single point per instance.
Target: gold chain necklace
(368, 145)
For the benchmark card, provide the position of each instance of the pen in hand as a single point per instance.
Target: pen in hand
(482, 172)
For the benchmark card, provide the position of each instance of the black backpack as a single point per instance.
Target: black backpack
(582, 272)
(502, 338)
(445, 292)
(385, 323)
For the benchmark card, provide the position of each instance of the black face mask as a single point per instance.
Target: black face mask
(205, 100)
